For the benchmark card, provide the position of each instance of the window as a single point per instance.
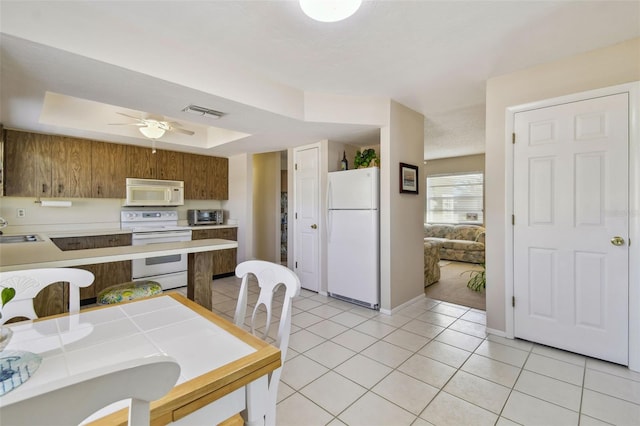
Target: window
(455, 198)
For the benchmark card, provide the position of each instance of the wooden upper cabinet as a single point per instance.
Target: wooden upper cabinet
(70, 167)
(141, 163)
(59, 166)
(195, 177)
(27, 164)
(170, 165)
(218, 178)
(108, 170)
(206, 177)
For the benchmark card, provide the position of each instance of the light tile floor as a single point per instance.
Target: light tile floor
(432, 364)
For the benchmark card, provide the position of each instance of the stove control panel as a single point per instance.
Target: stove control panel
(148, 216)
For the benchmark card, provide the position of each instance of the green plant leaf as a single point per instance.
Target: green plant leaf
(7, 294)
(477, 279)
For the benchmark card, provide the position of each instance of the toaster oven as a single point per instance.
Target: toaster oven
(197, 217)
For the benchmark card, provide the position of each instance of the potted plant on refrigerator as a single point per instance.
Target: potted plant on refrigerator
(363, 159)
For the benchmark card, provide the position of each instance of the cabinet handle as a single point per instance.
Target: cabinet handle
(44, 188)
(99, 190)
(60, 188)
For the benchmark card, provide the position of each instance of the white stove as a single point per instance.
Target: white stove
(154, 227)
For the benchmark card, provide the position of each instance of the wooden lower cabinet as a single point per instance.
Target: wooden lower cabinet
(54, 299)
(224, 261)
(51, 300)
(107, 274)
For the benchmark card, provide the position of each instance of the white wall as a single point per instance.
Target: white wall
(84, 214)
(266, 206)
(463, 164)
(609, 66)
(240, 203)
(401, 215)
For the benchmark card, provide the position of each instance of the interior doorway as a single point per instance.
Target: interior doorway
(284, 205)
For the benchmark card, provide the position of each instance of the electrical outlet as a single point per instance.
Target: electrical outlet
(21, 212)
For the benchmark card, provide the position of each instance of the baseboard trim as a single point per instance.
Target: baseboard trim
(498, 333)
(404, 305)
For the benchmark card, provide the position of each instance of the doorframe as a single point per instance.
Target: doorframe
(633, 89)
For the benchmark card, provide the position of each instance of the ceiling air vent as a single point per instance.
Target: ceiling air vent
(202, 111)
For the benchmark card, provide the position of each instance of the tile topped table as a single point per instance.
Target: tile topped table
(216, 357)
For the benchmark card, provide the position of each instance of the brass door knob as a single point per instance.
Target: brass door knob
(617, 241)
(314, 226)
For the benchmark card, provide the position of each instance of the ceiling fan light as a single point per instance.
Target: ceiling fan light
(329, 10)
(152, 132)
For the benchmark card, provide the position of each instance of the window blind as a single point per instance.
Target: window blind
(455, 198)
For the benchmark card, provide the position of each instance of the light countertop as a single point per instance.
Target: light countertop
(45, 254)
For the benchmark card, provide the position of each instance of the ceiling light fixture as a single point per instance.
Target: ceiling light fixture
(151, 131)
(202, 111)
(329, 10)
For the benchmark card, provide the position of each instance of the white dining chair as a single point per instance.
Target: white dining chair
(71, 400)
(270, 276)
(29, 282)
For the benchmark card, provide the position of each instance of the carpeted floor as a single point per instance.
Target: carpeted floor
(452, 286)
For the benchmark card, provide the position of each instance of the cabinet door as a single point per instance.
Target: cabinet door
(106, 274)
(218, 178)
(170, 165)
(109, 170)
(141, 163)
(195, 177)
(70, 167)
(27, 164)
(224, 261)
(52, 300)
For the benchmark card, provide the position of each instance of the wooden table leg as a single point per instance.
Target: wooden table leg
(200, 271)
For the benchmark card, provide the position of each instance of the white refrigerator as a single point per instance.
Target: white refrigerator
(353, 229)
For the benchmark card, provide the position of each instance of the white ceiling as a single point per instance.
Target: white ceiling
(264, 63)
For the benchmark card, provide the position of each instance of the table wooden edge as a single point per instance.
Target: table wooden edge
(189, 396)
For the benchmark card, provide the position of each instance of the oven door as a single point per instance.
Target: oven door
(160, 265)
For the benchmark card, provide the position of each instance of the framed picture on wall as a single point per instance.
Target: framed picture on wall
(408, 178)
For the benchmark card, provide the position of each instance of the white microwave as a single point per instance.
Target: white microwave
(153, 192)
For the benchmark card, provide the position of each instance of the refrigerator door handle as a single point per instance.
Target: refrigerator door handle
(329, 196)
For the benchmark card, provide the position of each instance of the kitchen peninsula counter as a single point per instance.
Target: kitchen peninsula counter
(45, 254)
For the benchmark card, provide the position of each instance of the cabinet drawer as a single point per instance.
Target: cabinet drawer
(115, 240)
(224, 233)
(92, 241)
(73, 243)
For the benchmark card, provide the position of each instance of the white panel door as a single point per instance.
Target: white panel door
(570, 200)
(307, 217)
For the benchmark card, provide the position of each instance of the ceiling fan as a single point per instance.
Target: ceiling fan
(154, 127)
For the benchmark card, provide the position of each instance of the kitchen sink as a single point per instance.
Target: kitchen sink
(5, 239)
